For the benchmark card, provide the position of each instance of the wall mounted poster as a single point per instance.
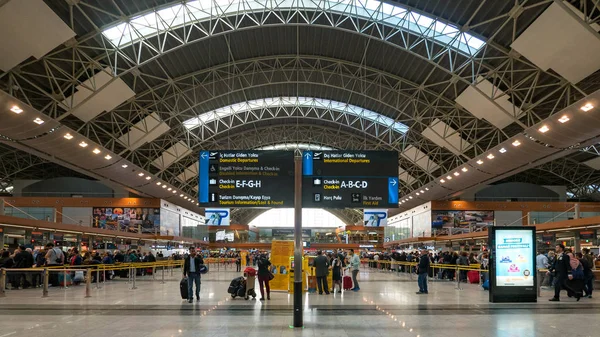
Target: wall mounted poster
(127, 219)
(473, 220)
(514, 264)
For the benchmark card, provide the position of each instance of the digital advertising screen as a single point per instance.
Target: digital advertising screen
(514, 263)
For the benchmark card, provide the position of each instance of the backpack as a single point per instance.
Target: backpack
(57, 256)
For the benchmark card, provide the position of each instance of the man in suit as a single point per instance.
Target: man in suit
(321, 268)
(561, 269)
(191, 270)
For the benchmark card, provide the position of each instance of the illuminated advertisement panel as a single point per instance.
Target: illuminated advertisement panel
(514, 265)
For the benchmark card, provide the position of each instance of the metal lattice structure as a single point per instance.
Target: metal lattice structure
(406, 61)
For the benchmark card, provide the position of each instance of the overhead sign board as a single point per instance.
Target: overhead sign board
(246, 179)
(350, 179)
(217, 216)
(375, 217)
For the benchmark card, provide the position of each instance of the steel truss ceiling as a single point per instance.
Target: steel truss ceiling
(170, 79)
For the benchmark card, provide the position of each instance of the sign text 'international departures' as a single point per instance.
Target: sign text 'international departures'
(350, 179)
(249, 178)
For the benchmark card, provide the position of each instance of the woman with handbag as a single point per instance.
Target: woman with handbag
(264, 276)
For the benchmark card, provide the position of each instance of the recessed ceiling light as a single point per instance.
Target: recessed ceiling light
(68, 136)
(124, 166)
(168, 189)
(164, 186)
(502, 150)
(426, 188)
(108, 157)
(148, 178)
(480, 162)
(490, 156)
(544, 129)
(83, 144)
(141, 174)
(181, 195)
(410, 197)
(456, 174)
(174, 191)
(16, 109)
(442, 181)
(587, 107)
(464, 169)
(564, 119)
(96, 151)
(38, 121)
(158, 183)
(418, 193)
(449, 177)
(516, 143)
(422, 191)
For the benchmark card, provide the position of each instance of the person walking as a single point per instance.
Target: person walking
(321, 270)
(264, 275)
(336, 269)
(561, 269)
(191, 270)
(354, 266)
(587, 261)
(423, 271)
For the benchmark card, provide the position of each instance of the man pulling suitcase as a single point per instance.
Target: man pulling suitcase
(191, 269)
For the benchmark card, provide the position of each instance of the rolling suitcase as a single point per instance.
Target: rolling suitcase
(183, 288)
(473, 276)
(347, 282)
(574, 288)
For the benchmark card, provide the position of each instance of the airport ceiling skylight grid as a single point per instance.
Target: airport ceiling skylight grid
(284, 217)
(296, 146)
(193, 12)
(306, 102)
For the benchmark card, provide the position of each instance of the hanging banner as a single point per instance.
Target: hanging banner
(375, 217)
(217, 216)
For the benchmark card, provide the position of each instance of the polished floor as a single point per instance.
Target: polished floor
(386, 306)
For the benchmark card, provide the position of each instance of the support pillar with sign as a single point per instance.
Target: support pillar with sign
(298, 319)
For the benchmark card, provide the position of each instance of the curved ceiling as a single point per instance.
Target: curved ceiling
(355, 75)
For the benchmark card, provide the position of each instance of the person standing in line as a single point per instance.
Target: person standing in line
(354, 266)
(264, 275)
(321, 270)
(54, 257)
(238, 263)
(336, 269)
(588, 270)
(561, 269)
(191, 270)
(423, 271)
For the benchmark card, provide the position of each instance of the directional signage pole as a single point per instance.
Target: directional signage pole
(298, 243)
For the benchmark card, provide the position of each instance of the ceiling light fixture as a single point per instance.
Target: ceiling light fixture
(96, 151)
(108, 157)
(148, 177)
(490, 156)
(410, 197)
(544, 129)
(141, 174)
(502, 150)
(449, 177)
(442, 181)
(164, 186)
(418, 193)
(124, 166)
(181, 195)
(38, 121)
(564, 119)
(422, 191)
(68, 136)
(83, 144)
(174, 191)
(464, 169)
(168, 189)
(16, 109)
(516, 143)
(456, 174)
(587, 107)
(426, 188)
(158, 183)
(480, 162)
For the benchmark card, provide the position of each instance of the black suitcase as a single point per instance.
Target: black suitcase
(575, 288)
(183, 288)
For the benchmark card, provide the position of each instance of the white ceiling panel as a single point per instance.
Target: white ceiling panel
(87, 108)
(144, 131)
(404, 176)
(189, 173)
(172, 155)
(418, 157)
(445, 136)
(29, 28)
(558, 40)
(594, 163)
(486, 101)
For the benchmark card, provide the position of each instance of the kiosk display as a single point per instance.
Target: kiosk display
(512, 263)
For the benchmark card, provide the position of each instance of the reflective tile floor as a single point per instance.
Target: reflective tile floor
(386, 305)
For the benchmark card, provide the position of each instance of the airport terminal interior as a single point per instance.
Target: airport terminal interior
(415, 168)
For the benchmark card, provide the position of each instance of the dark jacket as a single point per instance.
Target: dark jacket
(562, 266)
(23, 259)
(263, 267)
(151, 258)
(198, 261)
(119, 257)
(424, 264)
(321, 266)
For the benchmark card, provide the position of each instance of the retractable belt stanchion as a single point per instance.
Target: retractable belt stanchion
(46, 280)
(457, 275)
(134, 277)
(97, 278)
(3, 283)
(88, 283)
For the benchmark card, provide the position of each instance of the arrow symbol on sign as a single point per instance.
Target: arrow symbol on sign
(203, 155)
(394, 182)
(307, 155)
